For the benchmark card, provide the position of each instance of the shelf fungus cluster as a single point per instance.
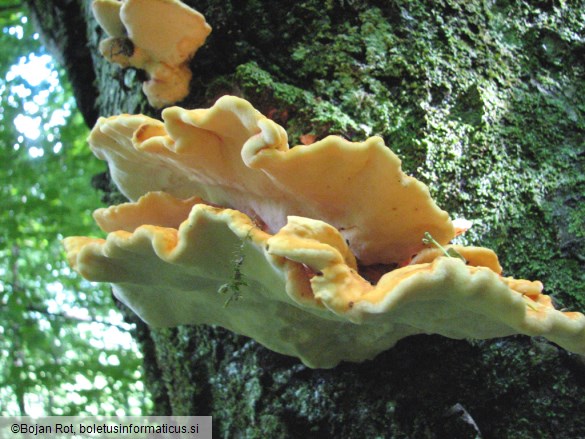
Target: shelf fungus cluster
(319, 251)
(157, 36)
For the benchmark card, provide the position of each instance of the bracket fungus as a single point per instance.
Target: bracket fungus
(222, 209)
(157, 36)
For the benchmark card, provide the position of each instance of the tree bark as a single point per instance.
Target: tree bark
(483, 103)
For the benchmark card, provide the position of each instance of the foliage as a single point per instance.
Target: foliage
(63, 348)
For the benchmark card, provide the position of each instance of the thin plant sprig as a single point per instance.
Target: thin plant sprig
(237, 281)
(450, 252)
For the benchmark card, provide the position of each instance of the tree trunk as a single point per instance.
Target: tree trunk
(483, 102)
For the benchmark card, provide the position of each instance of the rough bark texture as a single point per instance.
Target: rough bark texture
(484, 102)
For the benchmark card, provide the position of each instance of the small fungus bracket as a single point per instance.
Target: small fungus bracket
(157, 36)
